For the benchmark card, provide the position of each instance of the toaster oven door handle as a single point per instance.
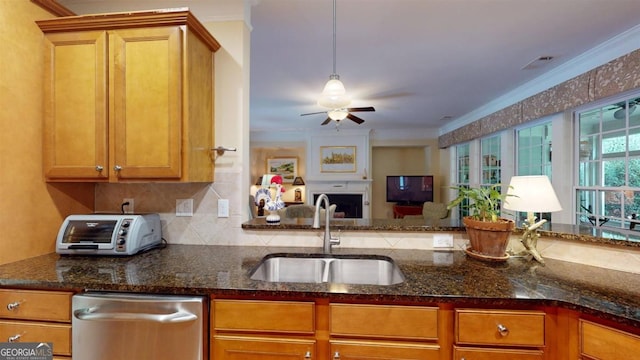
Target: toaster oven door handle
(83, 247)
(94, 314)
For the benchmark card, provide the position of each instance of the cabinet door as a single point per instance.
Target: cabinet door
(601, 342)
(365, 350)
(462, 353)
(253, 348)
(500, 327)
(35, 305)
(146, 102)
(75, 110)
(31, 331)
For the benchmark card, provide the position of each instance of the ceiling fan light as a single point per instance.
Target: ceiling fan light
(338, 114)
(619, 114)
(334, 95)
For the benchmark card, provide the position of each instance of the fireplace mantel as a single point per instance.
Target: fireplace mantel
(343, 187)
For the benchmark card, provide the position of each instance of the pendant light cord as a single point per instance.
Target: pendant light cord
(334, 37)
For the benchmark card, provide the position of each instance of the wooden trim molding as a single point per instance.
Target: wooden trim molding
(53, 7)
(129, 20)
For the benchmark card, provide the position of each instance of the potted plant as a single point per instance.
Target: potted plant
(488, 232)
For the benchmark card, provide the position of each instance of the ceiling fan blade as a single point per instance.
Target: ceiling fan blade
(356, 119)
(368, 108)
(314, 113)
(326, 121)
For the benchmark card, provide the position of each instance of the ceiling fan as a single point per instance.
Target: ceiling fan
(341, 114)
(620, 113)
(334, 95)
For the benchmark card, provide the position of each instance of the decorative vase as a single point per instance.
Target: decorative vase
(273, 218)
(488, 240)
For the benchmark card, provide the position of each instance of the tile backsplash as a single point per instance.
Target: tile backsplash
(203, 228)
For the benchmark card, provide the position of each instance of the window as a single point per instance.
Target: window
(490, 160)
(462, 170)
(533, 157)
(608, 173)
(534, 150)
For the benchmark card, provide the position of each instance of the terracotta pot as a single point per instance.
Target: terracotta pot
(489, 239)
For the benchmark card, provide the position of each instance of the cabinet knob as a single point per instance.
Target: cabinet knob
(99, 168)
(12, 306)
(14, 338)
(503, 330)
(307, 355)
(117, 168)
(336, 355)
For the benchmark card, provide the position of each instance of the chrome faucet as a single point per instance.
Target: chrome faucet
(328, 240)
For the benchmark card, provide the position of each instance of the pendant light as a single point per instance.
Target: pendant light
(334, 94)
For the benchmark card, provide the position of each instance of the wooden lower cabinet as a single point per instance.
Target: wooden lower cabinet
(265, 330)
(469, 353)
(256, 348)
(483, 334)
(262, 330)
(321, 329)
(35, 331)
(37, 316)
(605, 343)
(391, 350)
(365, 331)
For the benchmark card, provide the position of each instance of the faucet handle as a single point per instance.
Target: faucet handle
(335, 240)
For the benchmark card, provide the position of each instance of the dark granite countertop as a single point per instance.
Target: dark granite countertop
(584, 233)
(431, 277)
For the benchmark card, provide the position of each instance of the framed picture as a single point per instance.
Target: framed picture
(337, 159)
(285, 167)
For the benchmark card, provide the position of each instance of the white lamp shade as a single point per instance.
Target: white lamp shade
(334, 95)
(338, 114)
(532, 194)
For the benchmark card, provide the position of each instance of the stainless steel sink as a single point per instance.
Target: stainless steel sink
(319, 268)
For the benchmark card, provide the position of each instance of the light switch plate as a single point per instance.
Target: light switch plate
(443, 241)
(223, 208)
(184, 207)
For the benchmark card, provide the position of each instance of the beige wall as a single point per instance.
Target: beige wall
(259, 156)
(30, 210)
(424, 159)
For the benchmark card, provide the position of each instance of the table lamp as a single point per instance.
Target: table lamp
(531, 194)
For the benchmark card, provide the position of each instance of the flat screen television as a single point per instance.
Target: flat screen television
(409, 189)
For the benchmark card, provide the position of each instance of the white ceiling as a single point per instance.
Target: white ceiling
(416, 61)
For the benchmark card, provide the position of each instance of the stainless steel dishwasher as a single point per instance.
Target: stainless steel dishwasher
(119, 326)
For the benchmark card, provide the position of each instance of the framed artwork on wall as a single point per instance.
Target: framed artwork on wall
(285, 167)
(337, 159)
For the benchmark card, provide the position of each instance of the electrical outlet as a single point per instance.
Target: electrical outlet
(223, 208)
(128, 209)
(443, 241)
(184, 207)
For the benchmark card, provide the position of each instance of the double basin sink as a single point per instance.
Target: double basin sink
(326, 268)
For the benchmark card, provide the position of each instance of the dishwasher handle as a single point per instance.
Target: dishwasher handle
(93, 314)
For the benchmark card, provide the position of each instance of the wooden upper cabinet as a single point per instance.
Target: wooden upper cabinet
(75, 115)
(128, 97)
(146, 104)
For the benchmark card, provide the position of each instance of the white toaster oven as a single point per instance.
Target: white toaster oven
(109, 234)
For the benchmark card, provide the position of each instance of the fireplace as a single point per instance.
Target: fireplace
(349, 204)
